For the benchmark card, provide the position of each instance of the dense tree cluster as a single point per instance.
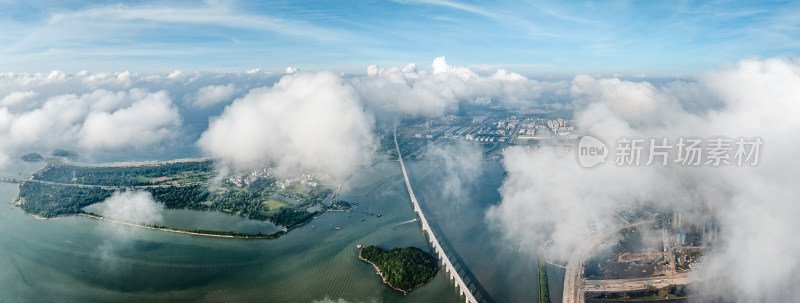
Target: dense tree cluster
(247, 202)
(402, 268)
(64, 153)
(181, 196)
(118, 175)
(49, 200)
(251, 201)
(544, 289)
(32, 157)
(340, 205)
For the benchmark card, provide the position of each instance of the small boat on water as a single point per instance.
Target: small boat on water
(338, 228)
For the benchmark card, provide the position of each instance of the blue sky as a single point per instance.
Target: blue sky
(532, 37)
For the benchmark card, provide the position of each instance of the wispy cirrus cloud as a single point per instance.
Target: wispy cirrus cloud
(586, 37)
(98, 36)
(212, 14)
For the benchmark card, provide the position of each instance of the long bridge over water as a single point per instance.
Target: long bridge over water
(462, 277)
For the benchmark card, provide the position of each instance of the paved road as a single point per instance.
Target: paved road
(634, 284)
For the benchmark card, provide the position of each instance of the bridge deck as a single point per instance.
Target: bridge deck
(434, 241)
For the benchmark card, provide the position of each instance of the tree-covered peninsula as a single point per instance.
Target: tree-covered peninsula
(65, 189)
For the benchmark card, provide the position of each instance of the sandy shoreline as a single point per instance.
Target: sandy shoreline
(141, 226)
(39, 217)
(157, 228)
(381, 274)
(128, 164)
(176, 230)
(131, 164)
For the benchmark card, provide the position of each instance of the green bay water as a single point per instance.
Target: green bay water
(72, 259)
(78, 259)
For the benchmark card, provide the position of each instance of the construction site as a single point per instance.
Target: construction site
(648, 256)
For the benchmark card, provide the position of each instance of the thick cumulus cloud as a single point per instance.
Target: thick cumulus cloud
(306, 121)
(98, 112)
(213, 94)
(323, 122)
(320, 121)
(547, 194)
(757, 254)
(111, 110)
(412, 92)
(15, 98)
(207, 87)
(100, 119)
(149, 119)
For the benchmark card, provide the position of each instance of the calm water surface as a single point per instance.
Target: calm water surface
(72, 259)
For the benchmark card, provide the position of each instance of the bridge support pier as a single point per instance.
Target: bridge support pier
(437, 248)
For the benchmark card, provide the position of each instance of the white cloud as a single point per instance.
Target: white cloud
(547, 193)
(757, 256)
(97, 23)
(107, 80)
(144, 122)
(412, 92)
(462, 164)
(505, 75)
(133, 207)
(176, 74)
(15, 98)
(440, 66)
(213, 94)
(127, 206)
(306, 121)
(320, 121)
(99, 119)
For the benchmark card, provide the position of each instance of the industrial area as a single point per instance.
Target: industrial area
(495, 131)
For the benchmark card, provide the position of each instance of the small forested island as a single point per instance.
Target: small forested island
(32, 157)
(64, 153)
(65, 189)
(401, 268)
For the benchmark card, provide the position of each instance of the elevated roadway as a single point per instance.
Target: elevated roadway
(462, 278)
